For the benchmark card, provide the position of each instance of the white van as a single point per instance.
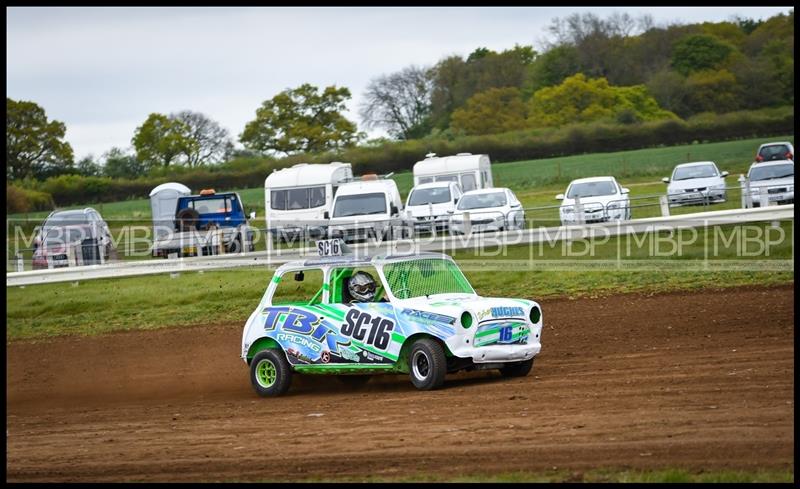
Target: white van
(366, 209)
(429, 205)
(468, 170)
(296, 198)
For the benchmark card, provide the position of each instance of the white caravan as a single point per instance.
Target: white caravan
(468, 170)
(297, 198)
(369, 208)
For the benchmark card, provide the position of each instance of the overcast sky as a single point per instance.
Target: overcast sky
(103, 70)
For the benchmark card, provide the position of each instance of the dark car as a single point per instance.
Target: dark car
(775, 151)
(78, 217)
(71, 245)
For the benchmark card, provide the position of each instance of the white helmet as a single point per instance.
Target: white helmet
(361, 287)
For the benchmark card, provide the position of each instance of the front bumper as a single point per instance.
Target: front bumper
(697, 197)
(504, 353)
(779, 198)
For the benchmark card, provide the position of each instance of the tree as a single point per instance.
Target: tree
(301, 119)
(552, 67)
(400, 103)
(160, 141)
(34, 145)
(493, 111)
(209, 142)
(121, 164)
(698, 53)
(88, 167)
(579, 99)
(713, 91)
(456, 80)
(670, 91)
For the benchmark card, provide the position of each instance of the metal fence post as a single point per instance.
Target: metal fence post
(20, 262)
(763, 195)
(662, 200)
(467, 224)
(744, 189)
(578, 211)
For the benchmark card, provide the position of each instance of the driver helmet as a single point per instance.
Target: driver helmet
(361, 287)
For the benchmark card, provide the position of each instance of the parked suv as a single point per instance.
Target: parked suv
(429, 205)
(75, 217)
(69, 245)
(775, 151)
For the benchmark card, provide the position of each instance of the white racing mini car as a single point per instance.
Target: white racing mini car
(354, 317)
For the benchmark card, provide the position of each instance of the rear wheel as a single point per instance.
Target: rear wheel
(427, 364)
(518, 369)
(235, 246)
(270, 373)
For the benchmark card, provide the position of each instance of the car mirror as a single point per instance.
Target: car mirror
(665, 180)
(394, 209)
(560, 197)
(515, 206)
(299, 276)
(724, 174)
(455, 200)
(450, 211)
(326, 215)
(252, 214)
(625, 190)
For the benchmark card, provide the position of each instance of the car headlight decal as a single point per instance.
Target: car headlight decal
(466, 320)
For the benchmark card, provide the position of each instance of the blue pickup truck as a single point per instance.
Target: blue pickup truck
(204, 224)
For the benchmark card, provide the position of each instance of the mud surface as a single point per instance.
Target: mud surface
(701, 380)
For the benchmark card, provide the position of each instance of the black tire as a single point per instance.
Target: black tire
(270, 373)
(235, 246)
(354, 381)
(187, 219)
(518, 369)
(427, 364)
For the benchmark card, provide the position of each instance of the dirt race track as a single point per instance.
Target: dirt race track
(700, 380)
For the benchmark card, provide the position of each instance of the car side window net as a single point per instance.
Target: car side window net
(424, 277)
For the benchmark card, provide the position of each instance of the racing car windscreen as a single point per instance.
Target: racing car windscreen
(425, 277)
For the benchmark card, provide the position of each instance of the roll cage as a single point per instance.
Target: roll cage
(335, 270)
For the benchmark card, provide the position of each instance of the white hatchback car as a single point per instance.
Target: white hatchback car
(602, 199)
(776, 178)
(489, 209)
(696, 183)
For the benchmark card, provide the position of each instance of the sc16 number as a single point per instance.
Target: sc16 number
(356, 326)
(329, 247)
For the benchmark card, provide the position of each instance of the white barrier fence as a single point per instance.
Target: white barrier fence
(441, 244)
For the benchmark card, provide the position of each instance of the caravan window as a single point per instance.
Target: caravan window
(447, 178)
(278, 200)
(425, 179)
(297, 198)
(468, 182)
(317, 195)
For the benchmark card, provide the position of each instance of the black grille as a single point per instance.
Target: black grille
(776, 190)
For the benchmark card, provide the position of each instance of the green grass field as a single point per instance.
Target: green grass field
(157, 301)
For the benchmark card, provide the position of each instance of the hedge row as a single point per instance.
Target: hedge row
(27, 200)
(400, 156)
